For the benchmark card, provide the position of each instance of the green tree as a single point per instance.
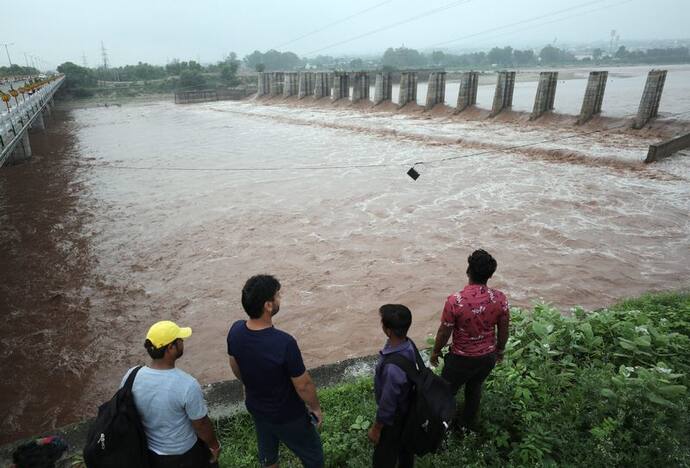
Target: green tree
(192, 79)
(77, 77)
(501, 56)
(403, 57)
(597, 54)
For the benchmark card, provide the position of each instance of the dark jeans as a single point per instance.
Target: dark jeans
(196, 457)
(391, 450)
(470, 372)
(299, 435)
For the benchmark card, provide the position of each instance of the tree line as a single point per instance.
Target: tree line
(404, 57)
(17, 70)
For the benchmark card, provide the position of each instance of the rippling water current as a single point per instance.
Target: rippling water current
(132, 214)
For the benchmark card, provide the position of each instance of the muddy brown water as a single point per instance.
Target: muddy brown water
(150, 211)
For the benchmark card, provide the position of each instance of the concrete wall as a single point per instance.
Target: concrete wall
(503, 97)
(436, 90)
(667, 148)
(546, 94)
(383, 89)
(467, 95)
(408, 88)
(321, 85)
(341, 86)
(277, 81)
(263, 83)
(306, 84)
(290, 84)
(649, 104)
(360, 86)
(594, 95)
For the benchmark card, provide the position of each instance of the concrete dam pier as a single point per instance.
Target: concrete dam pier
(336, 86)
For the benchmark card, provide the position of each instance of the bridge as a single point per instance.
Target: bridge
(23, 109)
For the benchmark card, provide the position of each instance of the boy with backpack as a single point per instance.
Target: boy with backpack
(393, 390)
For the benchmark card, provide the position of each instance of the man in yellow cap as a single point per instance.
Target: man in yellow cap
(171, 404)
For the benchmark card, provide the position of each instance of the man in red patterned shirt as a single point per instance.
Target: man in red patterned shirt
(475, 316)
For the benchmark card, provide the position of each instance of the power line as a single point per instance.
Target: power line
(516, 23)
(392, 25)
(329, 25)
(546, 22)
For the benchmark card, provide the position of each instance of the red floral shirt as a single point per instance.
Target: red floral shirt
(473, 314)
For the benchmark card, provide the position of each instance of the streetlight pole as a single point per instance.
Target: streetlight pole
(6, 44)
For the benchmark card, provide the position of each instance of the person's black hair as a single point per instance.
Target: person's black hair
(481, 266)
(256, 291)
(156, 353)
(397, 318)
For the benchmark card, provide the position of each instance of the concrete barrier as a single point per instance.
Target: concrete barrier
(306, 85)
(594, 95)
(341, 86)
(546, 94)
(277, 82)
(436, 90)
(467, 94)
(503, 96)
(408, 88)
(290, 84)
(667, 148)
(321, 85)
(383, 89)
(651, 96)
(360, 86)
(263, 84)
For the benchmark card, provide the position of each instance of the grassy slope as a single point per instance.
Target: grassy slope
(595, 389)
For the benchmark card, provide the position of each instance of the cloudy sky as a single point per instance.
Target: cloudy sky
(156, 31)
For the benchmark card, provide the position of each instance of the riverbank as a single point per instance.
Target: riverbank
(602, 388)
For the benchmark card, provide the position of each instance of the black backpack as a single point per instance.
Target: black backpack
(432, 408)
(117, 439)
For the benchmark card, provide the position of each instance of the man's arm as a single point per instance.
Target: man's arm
(502, 337)
(442, 336)
(307, 392)
(205, 431)
(393, 380)
(235, 368)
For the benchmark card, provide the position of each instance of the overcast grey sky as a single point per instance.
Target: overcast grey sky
(156, 31)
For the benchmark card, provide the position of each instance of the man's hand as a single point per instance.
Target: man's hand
(375, 432)
(433, 359)
(319, 416)
(499, 355)
(215, 453)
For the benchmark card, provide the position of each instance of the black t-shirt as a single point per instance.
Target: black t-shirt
(268, 359)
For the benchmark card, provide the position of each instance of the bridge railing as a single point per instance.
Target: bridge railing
(21, 110)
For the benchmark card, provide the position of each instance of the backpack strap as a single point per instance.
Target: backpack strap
(412, 370)
(130, 379)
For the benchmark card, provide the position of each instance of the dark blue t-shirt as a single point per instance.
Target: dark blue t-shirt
(268, 359)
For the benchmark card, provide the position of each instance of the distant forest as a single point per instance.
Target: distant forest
(403, 57)
(231, 71)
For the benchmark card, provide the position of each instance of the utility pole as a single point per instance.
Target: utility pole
(83, 60)
(104, 54)
(6, 44)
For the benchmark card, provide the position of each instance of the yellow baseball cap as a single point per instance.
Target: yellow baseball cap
(165, 332)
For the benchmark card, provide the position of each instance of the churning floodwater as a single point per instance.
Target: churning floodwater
(148, 211)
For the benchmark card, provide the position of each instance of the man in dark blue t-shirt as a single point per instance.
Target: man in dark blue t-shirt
(277, 385)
